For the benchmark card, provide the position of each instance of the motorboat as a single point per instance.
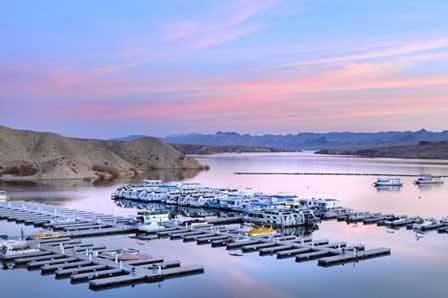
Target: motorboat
(260, 232)
(129, 254)
(424, 224)
(41, 236)
(15, 247)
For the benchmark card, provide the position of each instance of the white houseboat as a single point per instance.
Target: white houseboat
(152, 220)
(388, 181)
(425, 180)
(3, 196)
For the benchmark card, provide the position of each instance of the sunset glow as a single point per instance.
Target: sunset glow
(271, 66)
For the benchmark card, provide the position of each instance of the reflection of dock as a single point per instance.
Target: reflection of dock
(388, 188)
(333, 174)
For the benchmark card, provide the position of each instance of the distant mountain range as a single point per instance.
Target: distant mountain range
(312, 141)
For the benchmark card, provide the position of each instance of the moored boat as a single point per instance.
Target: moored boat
(428, 179)
(44, 236)
(129, 254)
(15, 247)
(259, 232)
(3, 196)
(152, 220)
(388, 181)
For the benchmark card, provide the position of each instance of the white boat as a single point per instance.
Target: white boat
(425, 180)
(282, 217)
(317, 204)
(388, 181)
(425, 223)
(3, 196)
(15, 247)
(152, 220)
(236, 253)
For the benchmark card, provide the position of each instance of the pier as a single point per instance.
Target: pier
(388, 220)
(64, 254)
(66, 222)
(84, 263)
(302, 249)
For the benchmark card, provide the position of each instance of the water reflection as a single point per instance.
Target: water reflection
(181, 211)
(388, 188)
(429, 187)
(160, 174)
(173, 209)
(300, 231)
(416, 268)
(169, 174)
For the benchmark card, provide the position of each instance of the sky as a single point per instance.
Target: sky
(113, 68)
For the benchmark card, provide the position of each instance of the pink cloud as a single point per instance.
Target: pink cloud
(227, 26)
(402, 50)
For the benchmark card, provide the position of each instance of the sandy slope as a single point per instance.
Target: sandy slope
(35, 155)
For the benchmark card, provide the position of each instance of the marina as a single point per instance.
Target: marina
(279, 210)
(225, 149)
(61, 254)
(217, 239)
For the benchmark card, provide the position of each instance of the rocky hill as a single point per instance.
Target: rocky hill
(423, 150)
(30, 155)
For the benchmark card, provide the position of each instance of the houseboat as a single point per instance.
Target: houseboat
(152, 220)
(282, 217)
(428, 179)
(388, 181)
(3, 196)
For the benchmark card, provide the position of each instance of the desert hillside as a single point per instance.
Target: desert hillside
(41, 155)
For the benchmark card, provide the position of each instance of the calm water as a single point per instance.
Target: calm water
(416, 268)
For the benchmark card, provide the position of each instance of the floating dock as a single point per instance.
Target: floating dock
(66, 222)
(87, 265)
(66, 256)
(302, 249)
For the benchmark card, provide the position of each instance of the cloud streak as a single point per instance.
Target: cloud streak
(210, 68)
(225, 27)
(403, 50)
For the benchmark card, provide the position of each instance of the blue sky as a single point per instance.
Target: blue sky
(112, 68)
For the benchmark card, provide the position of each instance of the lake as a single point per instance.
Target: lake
(416, 267)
